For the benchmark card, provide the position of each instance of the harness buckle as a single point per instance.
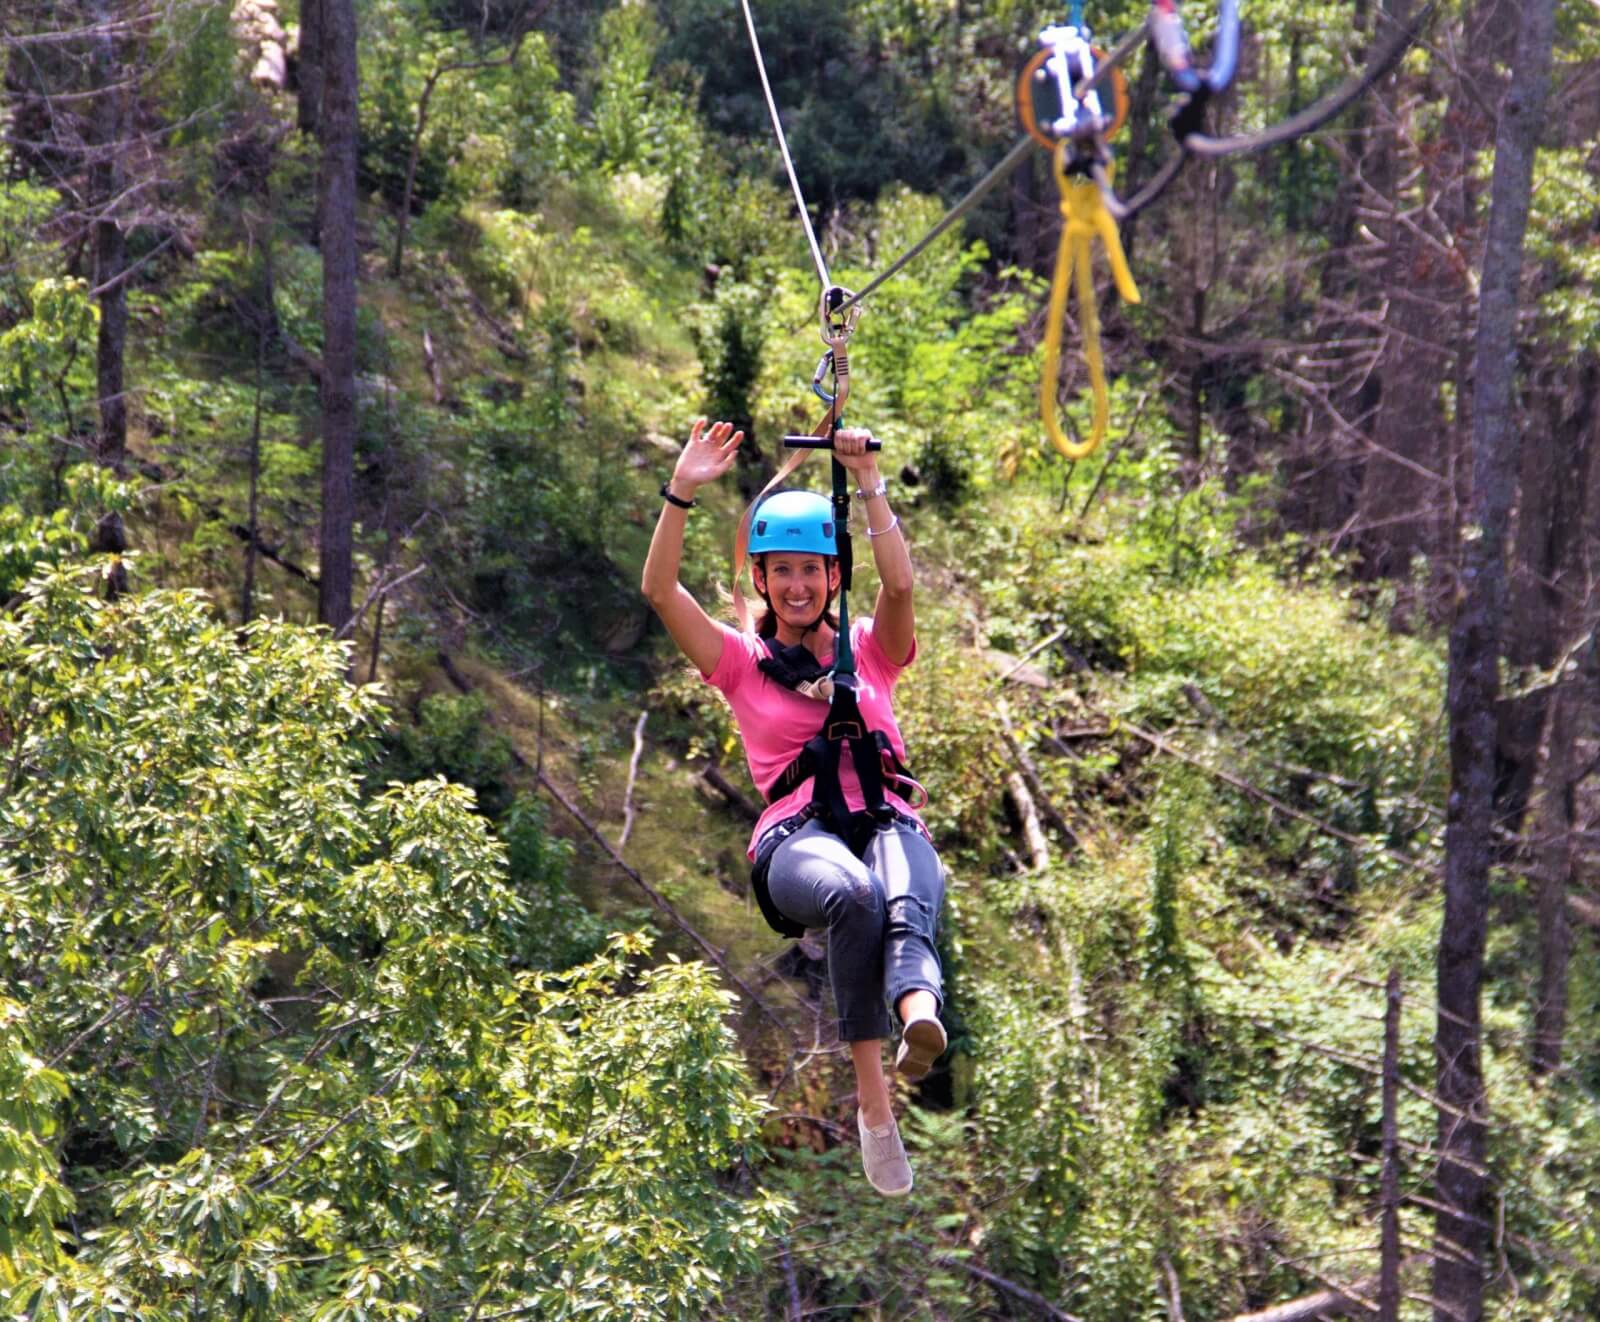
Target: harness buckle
(844, 729)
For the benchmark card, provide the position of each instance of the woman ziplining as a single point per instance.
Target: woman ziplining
(839, 845)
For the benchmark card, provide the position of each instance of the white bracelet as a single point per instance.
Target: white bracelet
(879, 490)
(894, 522)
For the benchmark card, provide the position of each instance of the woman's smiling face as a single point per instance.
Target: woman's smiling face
(798, 586)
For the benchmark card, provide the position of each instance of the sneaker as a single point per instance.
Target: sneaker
(883, 1157)
(921, 1043)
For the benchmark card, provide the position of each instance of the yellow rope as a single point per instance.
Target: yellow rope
(1084, 217)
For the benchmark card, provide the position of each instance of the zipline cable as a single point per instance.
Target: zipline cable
(975, 194)
(783, 145)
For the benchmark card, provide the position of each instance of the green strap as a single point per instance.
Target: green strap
(844, 662)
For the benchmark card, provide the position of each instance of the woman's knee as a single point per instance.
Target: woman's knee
(851, 897)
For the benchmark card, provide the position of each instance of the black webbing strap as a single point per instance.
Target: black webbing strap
(805, 766)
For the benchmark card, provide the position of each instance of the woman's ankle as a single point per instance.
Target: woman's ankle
(872, 1088)
(876, 1110)
(918, 1003)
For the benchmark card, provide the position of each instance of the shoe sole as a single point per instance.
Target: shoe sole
(924, 1042)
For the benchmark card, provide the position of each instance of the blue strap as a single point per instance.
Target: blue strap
(1224, 48)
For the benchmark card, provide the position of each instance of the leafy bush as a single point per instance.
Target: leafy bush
(47, 360)
(36, 543)
(298, 1074)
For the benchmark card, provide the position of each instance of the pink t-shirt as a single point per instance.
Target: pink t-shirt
(775, 722)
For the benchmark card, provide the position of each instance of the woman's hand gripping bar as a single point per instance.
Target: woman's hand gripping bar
(821, 443)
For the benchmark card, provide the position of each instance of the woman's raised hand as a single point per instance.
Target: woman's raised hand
(850, 449)
(708, 455)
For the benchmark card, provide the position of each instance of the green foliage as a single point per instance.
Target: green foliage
(36, 543)
(194, 63)
(32, 1197)
(47, 358)
(1165, 959)
(505, 132)
(24, 208)
(623, 100)
(730, 334)
(1174, 608)
(297, 294)
(859, 1255)
(850, 133)
(452, 738)
(542, 141)
(298, 1072)
(1560, 236)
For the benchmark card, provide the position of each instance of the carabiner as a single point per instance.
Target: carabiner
(823, 364)
(1172, 46)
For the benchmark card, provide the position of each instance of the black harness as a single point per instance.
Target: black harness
(871, 753)
(843, 726)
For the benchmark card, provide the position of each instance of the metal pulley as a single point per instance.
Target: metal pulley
(1047, 105)
(836, 329)
(837, 325)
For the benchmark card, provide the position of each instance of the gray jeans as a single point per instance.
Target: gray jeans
(881, 912)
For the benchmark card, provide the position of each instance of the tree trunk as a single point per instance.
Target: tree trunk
(110, 244)
(1405, 512)
(339, 263)
(1555, 857)
(309, 66)
(1389, 1265)
(1461, 1240)
(1324, 471)
(247, 596)
(1548, 576)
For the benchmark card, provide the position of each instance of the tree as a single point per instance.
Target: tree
(78, 72)
(110, 96)
(526, 18)
(293, 1036)
(308, 67)
(1476, 641)
(340, 261)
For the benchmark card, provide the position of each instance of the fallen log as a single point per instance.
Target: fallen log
(737, 798)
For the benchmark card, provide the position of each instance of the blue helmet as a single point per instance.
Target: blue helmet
(800, 522)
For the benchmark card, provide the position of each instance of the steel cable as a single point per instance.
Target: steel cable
(783, 146)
